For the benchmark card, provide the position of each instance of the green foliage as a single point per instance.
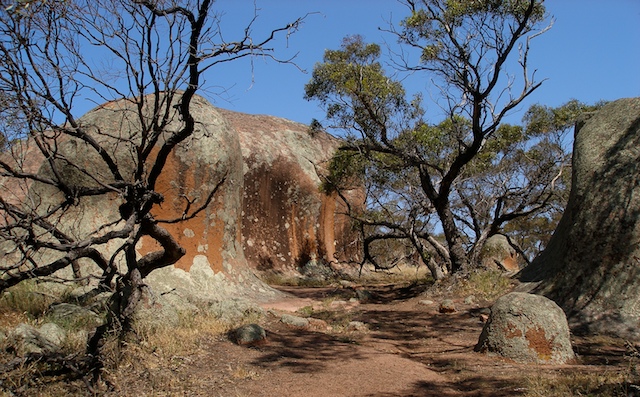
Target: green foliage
(439, 19)
(346, 170)
(353, 72)
(467, 175)
(541, 119)
(314, 127)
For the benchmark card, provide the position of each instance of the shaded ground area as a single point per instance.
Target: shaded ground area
(408, 349)
(392, 342)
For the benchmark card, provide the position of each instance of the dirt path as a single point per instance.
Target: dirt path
(407, 349)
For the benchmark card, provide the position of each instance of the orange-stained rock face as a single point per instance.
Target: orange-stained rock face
(268, 213)
(287, 221)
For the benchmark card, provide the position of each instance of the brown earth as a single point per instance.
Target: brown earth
(409, 349)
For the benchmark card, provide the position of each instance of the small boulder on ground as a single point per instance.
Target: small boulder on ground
(357, 326)
(250, 335)
(447, 306)
(527, 328)
(67, 312)
(25, 339)
(294, 320)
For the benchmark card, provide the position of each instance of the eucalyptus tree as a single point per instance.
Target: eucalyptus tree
(466, 51)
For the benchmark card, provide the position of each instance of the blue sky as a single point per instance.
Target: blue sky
(591, 53)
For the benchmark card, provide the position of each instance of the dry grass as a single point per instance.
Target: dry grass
(604, 384)
(488, 285)
(182, 339)
(28, 299)
(146, 366)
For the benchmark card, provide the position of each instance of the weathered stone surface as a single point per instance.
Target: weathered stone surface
(66, 312)
(250, 335)
(294, 320)
(498, 254)
(591, 266)
(363, 295)
(53, 333)
(470, 300)
(527, 328)
(288, 224)
(447, 306)
(25, 339)
(235, 309)
(156, 311)
(268, 206)
(357, 326)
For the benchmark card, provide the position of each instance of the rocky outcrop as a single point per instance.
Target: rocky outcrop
(287, 221)
(25, 339)
(591, 266)
(528, 329)
(268, 203)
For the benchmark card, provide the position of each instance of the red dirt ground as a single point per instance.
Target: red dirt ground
(409, 349)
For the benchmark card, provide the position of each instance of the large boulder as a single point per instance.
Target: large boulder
(527, 328)
(591, 266)
(269, 203)
(287, 221)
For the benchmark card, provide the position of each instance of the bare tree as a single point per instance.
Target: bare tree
(152, 54)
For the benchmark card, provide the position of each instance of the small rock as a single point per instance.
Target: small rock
(338, 303)
(527, 329)
(70, 313)
(346, 284)
(426, 302)
(447, 306)
(363, 295)
(294, 320)
(250, 335)
(470, 300)
(53, 333)
(25, 339)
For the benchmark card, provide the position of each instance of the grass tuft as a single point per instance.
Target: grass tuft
(488, 285)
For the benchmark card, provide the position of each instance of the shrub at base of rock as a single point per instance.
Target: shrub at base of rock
(527, 329)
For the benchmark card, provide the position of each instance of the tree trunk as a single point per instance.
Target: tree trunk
(457, 253)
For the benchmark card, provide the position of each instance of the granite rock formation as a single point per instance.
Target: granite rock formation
(527, 328)
(268, 203)
(591, 266)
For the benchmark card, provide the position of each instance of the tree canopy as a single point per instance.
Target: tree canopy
(445, 187)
